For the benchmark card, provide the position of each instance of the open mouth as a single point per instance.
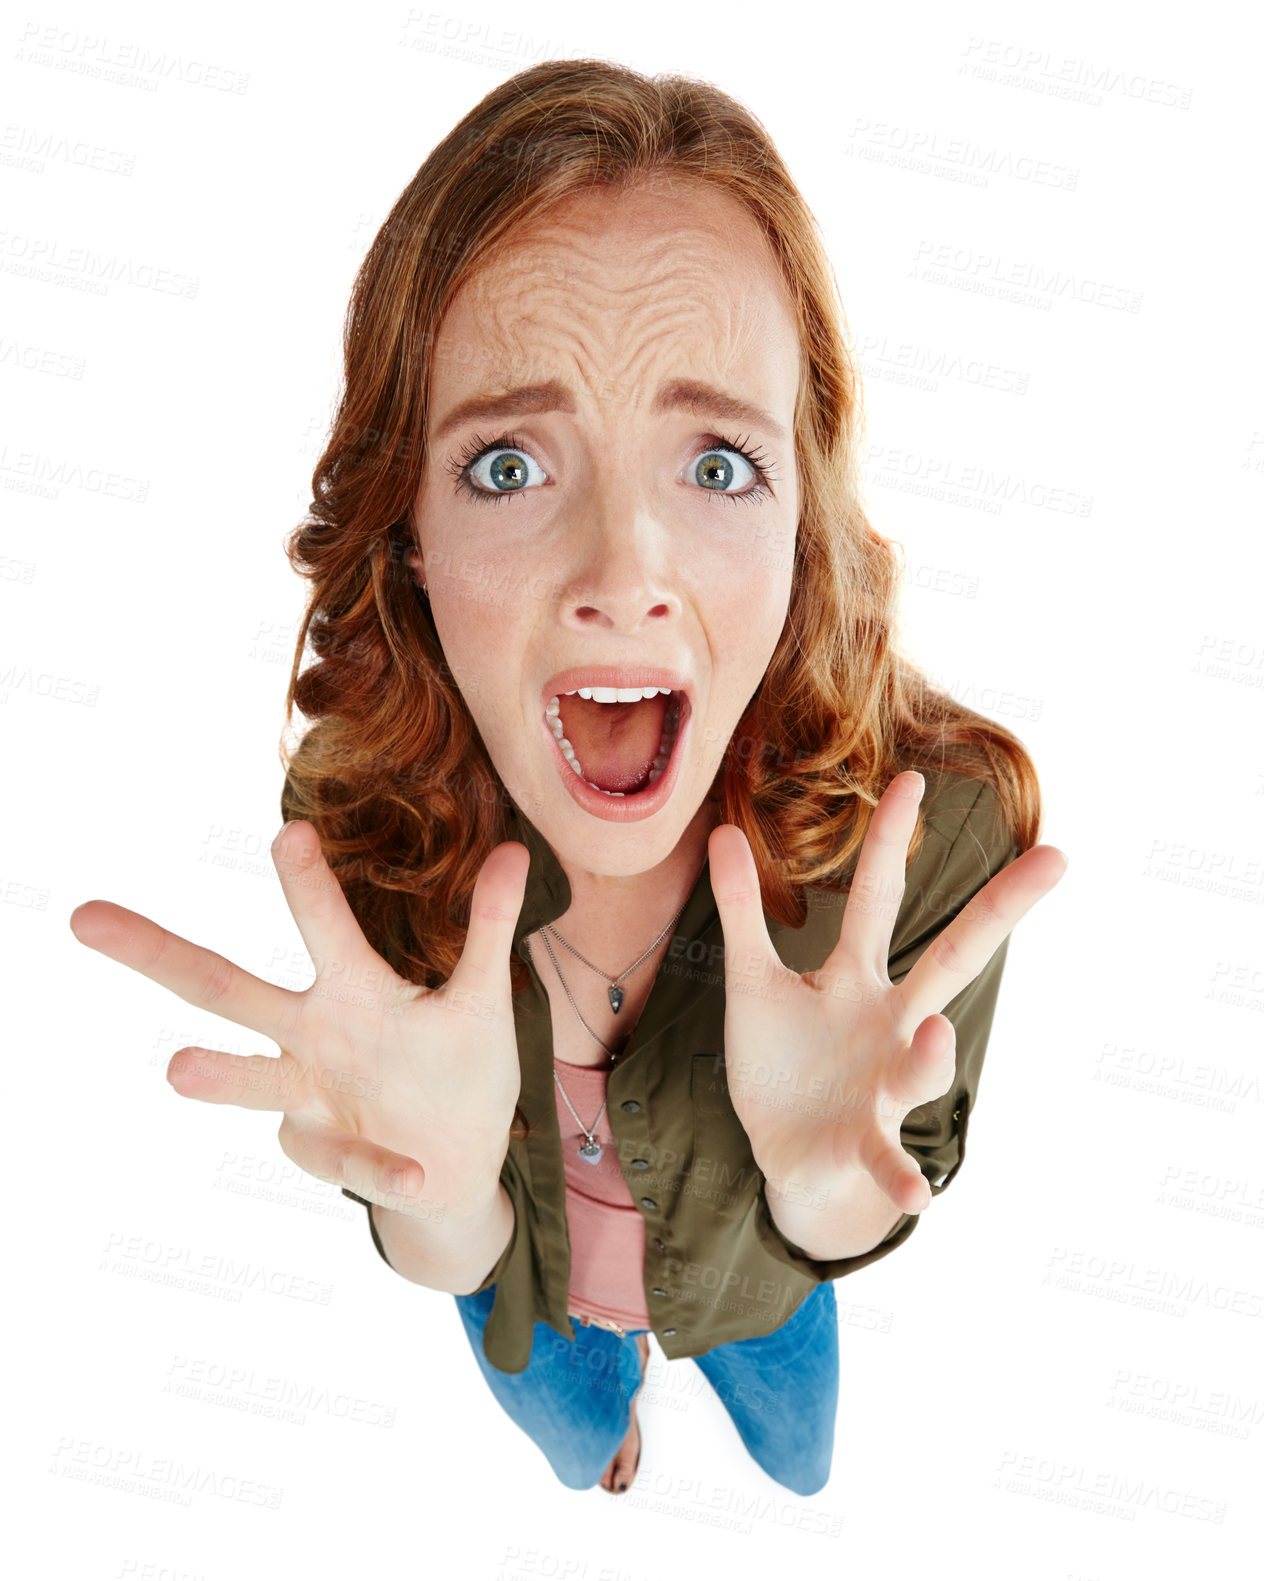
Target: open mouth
(618, 740)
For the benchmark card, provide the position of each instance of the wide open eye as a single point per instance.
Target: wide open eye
(506, 471)
(715, 470)
(732, 471)
(496, 469)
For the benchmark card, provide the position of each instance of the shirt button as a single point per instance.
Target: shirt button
(631, 1106)
(662, 1245)
(668, 1331)
(659, 1291)
(640, 1163)
(648, 1202)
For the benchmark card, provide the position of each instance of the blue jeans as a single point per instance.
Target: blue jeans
(780, 1389)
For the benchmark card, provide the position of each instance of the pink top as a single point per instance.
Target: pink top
(607, 1231)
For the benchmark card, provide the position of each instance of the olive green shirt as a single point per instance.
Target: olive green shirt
(717, 1268)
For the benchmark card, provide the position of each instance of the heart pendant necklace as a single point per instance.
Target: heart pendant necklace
(590, 1149)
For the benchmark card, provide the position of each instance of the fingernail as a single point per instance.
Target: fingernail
(278, 845)
(622, 1487)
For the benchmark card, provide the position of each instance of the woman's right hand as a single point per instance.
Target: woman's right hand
(389, 1089)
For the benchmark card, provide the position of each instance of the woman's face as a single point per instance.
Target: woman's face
(603, 526)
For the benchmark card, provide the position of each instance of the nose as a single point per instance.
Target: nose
(621, 579)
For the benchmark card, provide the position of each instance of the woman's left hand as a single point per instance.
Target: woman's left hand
(823, 1067)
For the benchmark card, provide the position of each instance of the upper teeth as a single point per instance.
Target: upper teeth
(617, 694)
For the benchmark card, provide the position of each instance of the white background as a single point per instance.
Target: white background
(1059, 1376)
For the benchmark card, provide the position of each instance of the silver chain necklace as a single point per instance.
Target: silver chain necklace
(590, 1149)
(615, 992)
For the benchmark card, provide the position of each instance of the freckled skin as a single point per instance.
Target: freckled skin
(613, 552)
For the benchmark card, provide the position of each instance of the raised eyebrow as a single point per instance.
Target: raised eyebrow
(704, 400)
(530, 400)
(526, 400)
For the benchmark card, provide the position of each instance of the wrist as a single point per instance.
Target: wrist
(845, 1216)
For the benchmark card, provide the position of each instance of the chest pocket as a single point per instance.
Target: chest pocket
(710, 1089)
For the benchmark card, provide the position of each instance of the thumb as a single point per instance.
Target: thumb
(495, 905)
(749, 957)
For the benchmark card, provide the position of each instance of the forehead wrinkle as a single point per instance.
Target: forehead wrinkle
(628, 350)
(565, 271)
(622, 389)
(614, 310)
(566, 249)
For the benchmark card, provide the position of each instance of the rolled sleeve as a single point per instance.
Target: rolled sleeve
(377, 1240)
(507, 1340)
(834, 1267)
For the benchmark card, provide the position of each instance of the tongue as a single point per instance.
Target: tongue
(616, 743)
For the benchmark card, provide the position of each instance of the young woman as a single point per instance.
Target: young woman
(658, 906)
